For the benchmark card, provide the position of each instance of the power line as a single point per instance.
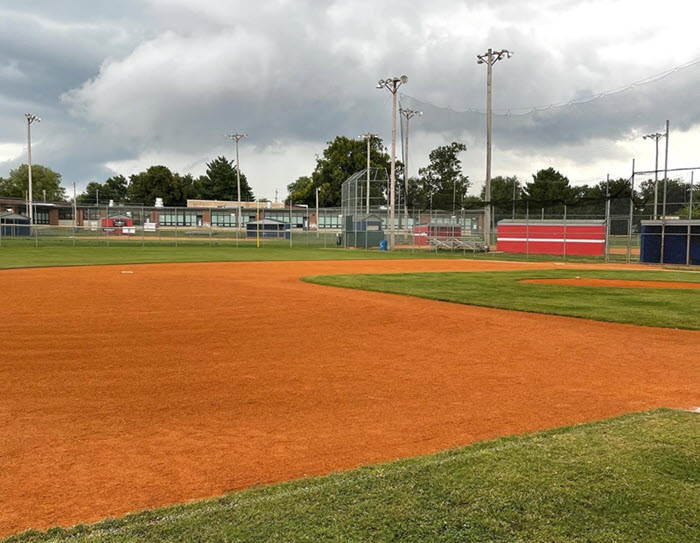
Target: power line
(529, 110)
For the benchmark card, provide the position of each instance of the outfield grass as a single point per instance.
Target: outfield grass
(632, 478)
(21, 257)
(504, 290)
(15, 256)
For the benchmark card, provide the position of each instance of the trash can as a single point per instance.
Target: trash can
(339, 240)
(382, 245)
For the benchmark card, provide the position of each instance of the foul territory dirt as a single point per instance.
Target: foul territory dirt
(124, 391)
(588, 282)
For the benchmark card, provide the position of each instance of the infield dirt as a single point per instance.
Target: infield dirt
(121, 392)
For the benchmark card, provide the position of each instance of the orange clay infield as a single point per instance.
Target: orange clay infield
(588, 282)
(120, 392)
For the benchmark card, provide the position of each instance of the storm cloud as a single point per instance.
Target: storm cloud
(130, 84)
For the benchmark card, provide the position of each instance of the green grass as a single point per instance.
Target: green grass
(632, 478)
(20, 257)
(504, 290)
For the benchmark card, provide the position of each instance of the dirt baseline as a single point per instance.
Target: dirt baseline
(617, 283)
(120, 392)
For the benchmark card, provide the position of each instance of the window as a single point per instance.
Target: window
(169, 217)
(41, 217)
(223, 218)
(65, 214)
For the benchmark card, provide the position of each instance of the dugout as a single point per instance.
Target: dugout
(423, 233)
(118, 225)
(552, 237)
(14, 224)
(670, 242)
(268, 228)
(363, 230)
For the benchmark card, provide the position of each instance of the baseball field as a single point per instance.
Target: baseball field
(134, 386)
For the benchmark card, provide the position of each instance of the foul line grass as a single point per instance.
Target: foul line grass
(504, 290)
(632, 478)
(27, 257)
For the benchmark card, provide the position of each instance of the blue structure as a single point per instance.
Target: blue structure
(679, 240)
(267, 228)
(13, 224)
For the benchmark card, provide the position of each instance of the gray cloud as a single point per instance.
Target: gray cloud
(132, 82)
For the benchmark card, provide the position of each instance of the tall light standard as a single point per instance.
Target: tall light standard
(30, 119)
(665, 171)
(237, 138)
(407, 114)
(489, 58)
(368, 138)
(317, 217)
(656, 137)
(392, 85)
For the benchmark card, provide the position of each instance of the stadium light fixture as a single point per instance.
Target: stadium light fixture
(408, 114)
(392, 84)
(30, 203)
(368, 137)
(489, 58)
(656, 137)
(237, 138)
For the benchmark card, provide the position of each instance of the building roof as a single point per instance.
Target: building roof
(13, 216)
(267, 221)
(569, 222)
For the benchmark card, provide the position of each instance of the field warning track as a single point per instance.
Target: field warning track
(120, 392)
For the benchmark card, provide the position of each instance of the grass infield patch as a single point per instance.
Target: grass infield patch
(504, 290)
(632, 478)
(27, 257)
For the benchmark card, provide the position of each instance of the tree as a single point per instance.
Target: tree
(300, 189)
(677, 196)
(220, 182)
(548, 187)
(160, 182)
(442, 179)
(341, 158)
(502, 190)
(43, 179)
(115, 188)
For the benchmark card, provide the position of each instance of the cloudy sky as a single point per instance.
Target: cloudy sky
(121, 86)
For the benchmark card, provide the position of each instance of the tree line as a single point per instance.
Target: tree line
(218, 183)
(439, 185)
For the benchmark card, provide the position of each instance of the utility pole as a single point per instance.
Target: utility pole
(368, 138)
(656, 137)
(489, 58)
(97, 196)
(407, 114)
(237, 138)
(515, 188)
(30, 119)
(317, 189)
(392, 85)
(665, 171)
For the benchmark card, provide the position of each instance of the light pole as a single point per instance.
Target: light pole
(30, 119)
(489, 58)
(368, 138)
(392, 85)
(665, 171)
(656, 137)
(317, 221)
(407, 114)
(237, 138)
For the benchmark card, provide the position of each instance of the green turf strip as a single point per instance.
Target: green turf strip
(504, 290)
(632, 478)
(24, 257)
